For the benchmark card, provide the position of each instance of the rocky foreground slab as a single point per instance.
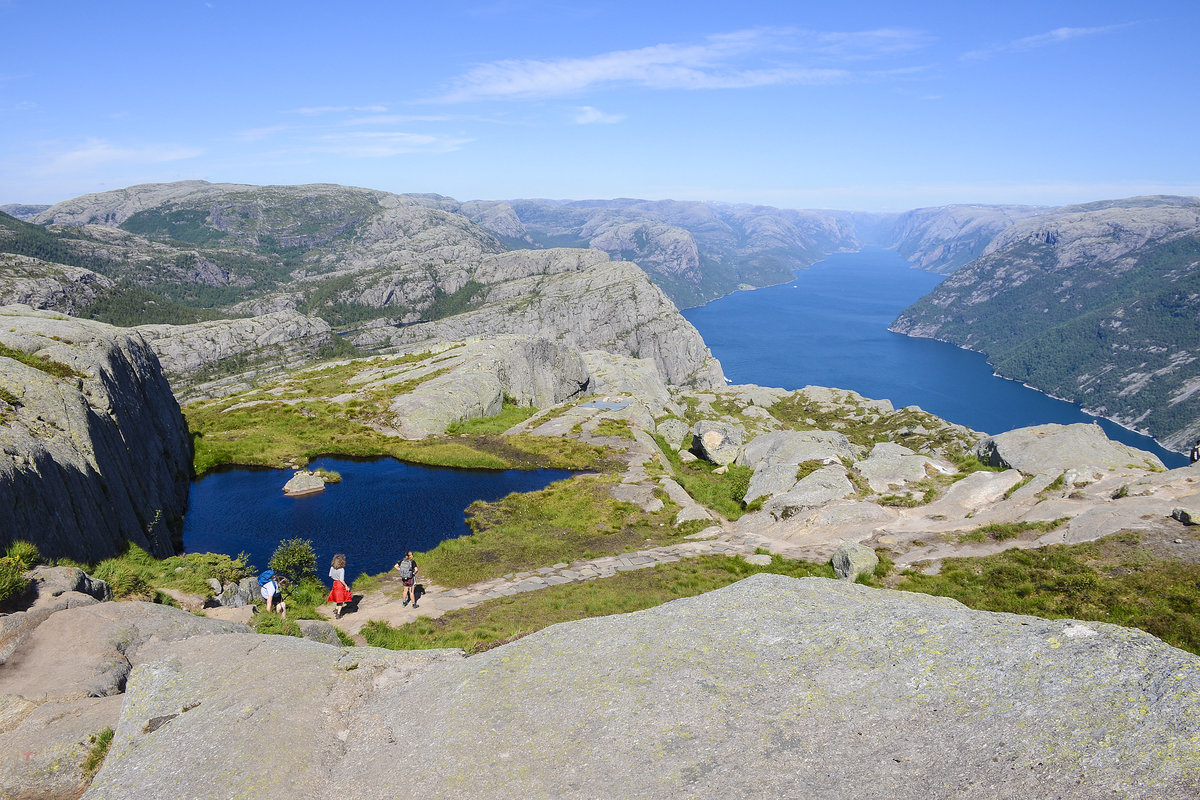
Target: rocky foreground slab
(772, 687)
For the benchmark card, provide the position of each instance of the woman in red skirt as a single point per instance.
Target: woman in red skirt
(340, 594)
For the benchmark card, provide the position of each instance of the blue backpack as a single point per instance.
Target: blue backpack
(266, 577)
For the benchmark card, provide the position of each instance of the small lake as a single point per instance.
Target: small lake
(381, 508)
(828, 327)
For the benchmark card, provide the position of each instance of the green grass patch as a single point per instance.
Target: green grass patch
(723, 492)
(137, 573)
(1002, 531)
(613, 427)
(274, 433)
(568, 520)
(497, 621)
(1013, 489)
(1110, 580)
(512, 414)
(97, 749)
(39, 362)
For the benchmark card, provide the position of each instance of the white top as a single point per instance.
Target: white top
(269, 588)
(338, 574)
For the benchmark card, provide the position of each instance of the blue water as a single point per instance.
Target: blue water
(828, 327)
(381, 508)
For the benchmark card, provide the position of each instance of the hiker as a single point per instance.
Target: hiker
(272, 592)
(1196, 452)
(408, 576)
(340, 594)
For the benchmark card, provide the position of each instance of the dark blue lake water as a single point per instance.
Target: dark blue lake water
(828, 327)
(381, 508)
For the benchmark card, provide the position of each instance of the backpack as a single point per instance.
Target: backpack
(266, 577)
(406, 569)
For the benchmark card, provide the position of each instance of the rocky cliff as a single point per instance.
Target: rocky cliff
(580, 297)
(95, 452)
(1094, 303)
(771, 687)
(278, 340)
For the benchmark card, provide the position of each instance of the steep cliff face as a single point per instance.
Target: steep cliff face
(93, 449)
(1095, 303)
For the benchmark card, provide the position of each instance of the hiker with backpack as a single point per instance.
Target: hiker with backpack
(407, 567)
(272, 592)
(340, 595)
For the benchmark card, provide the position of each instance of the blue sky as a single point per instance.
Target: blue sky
(855, 105)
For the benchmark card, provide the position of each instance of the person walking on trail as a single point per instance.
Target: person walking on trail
(340, 595)
(273, 594)
(407, 567)
(1195, 456)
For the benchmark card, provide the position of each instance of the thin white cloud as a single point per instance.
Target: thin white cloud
(1056, 36)
(723, 61)
(97, 153)
(383, 144)
(394, 119)
(587, 115)
(313, 111)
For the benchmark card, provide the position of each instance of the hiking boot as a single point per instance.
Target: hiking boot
(414, 604)
(405, 602)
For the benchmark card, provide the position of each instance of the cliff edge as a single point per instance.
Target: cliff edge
(94, 451)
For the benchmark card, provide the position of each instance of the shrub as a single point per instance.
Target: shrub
(295, 559)
(12, 579)
(24, 553)
(123, 578)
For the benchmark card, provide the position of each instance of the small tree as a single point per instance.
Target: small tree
(295, 560)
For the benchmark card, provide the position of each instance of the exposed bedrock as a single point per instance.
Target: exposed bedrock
(910, 695)
(96, 455)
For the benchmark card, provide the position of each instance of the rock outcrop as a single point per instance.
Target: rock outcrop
(578, 296)
(46, 285)
(1053, 447)
(63, 685)
(278, 339)
(473, 379)
(660, 703)
(94, 453)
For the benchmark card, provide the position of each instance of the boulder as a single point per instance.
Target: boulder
(673, 431)
(238, 594)
(892, 465)
(1188, 513)
(95, 453)
(717, 442)
(852, 560)
(319, 631)
(815, 490)
(776, 456)
(53, 581)
(661, 703)
(302, 483)
(759, 559)
(794, 447)
(1043, 448)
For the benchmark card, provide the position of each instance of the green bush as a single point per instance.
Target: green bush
(295, 560)
(24, 553)
(12, 579)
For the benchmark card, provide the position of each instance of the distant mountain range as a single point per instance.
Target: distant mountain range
(1093, 303)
